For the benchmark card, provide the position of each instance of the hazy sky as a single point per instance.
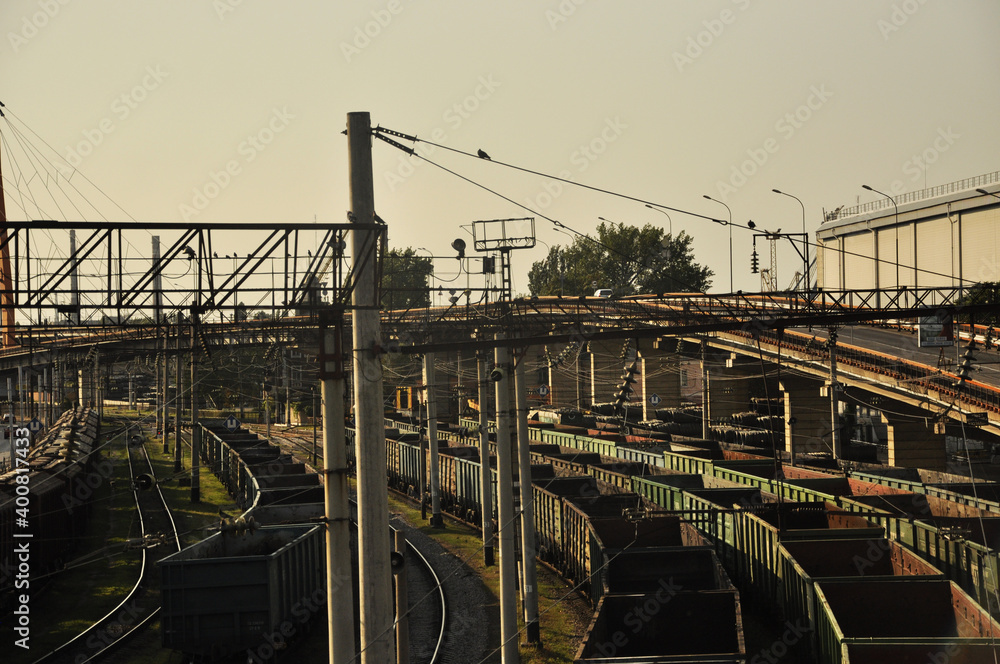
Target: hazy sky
(665, 101)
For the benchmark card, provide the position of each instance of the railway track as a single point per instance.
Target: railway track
(429, 591)
(140, 605)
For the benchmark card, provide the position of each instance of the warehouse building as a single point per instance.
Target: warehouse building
(945, 237)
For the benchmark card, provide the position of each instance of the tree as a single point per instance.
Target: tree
(405, 279)
(626, 259)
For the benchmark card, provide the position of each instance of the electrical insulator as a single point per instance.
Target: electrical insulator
(625, 388)
(965, 367)
(754, 263)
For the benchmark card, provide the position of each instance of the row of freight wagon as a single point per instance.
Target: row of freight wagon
(255, 584)
(658, 577)
(49, 501)
(784, 533)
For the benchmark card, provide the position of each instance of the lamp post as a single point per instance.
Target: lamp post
(730, 224)
(669, 220)
(805, 239)
(896, 226)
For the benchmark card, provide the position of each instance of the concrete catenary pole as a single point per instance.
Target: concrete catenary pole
(178, 403)
(486, 477)
(706, 406)
(339, 574)
(505, 512)
(165, 360)
(529, 579)
(195, 426)
(377, 640)
(835, 438)
(431, 397)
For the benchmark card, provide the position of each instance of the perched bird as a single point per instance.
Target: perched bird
(483, 155)
(751, 225)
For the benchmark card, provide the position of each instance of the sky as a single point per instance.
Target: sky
(232, 110)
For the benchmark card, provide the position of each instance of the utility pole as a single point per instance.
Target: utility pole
(165, 363)
(339, 574)
(431, 397)
(378, 644)
(486, 476)
(529, 577)
(178, 402)
(505, 498)
(705, 395)
(195, 426)
(835, 440)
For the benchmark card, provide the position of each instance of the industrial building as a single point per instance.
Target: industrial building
(943, 237)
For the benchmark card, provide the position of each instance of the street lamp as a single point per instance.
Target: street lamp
(896, 226)
(730, 224)
(671, 221)
(805, 238)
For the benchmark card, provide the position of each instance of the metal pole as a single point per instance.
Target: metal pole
(529, 578)
(339, 574)
(429, 385)
(506, 516)
(378, 645)
(486, 475)
(315, 419)
(195, 426)
(402, 604)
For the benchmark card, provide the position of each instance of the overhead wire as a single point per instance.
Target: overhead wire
(724, 222)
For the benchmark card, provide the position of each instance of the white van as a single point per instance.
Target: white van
(603, 292)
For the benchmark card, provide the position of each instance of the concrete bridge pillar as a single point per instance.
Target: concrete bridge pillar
(729, 389)
(913, 441)
(807, 416)
(659, 374)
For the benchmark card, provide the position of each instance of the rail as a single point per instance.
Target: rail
(136, 590)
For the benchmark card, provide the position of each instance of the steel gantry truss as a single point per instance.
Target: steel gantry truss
(104, 275)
